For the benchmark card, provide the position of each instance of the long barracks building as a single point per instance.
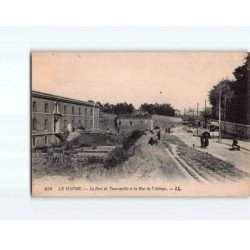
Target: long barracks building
(52, 114)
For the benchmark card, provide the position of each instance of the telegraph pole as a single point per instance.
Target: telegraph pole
(206, 114)
(219, 139)
(197, 117)
(189, 118)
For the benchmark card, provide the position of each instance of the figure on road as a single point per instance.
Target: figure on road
(202, 141)
(159, 135)
(193, 140)
(235, 144)
(206, 142)
(151, 141)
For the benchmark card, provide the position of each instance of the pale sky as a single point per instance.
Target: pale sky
(184, 78)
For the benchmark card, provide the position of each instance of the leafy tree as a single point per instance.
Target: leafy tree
(123, 108)
(160, 109)
(119, 108)
(227, 95)
(235, 95)
(242, 92)
(107, 108)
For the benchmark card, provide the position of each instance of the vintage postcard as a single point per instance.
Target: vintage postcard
(140, 124)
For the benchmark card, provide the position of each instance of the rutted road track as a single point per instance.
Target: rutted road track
(192, 171)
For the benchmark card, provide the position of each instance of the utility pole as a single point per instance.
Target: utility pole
(197, 118)
(206, 114)
(189, 118)
(219, 139)
(224, 116)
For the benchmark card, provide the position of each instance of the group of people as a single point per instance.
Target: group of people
(204, 140)
(167, 130)
(158, 134)
(152, 140)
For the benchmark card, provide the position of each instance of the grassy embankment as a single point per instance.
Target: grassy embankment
(71, 163)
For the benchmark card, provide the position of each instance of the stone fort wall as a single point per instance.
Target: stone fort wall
(131, 124)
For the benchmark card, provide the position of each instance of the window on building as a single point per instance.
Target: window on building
(131, 123)
(72, 123)
(79, 111)
(65, 124)
(65, 109)
(46, 140)
(85, 111)
(56, 108)
(45, 124)
(73, 110)
(141, 122)
(86, 124)
(33, 141)
(79, 124)
(90, 112)
(34, 106)
(119, 123)
(34, 124)
(46, 108)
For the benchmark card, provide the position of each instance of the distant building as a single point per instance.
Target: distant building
(126, 123)
(52, 114)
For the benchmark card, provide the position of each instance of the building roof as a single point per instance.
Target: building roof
(63, 99)
(134, 116)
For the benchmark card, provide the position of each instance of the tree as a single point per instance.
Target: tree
(242, 92)
(227, 95)
(107, 108)
(123, 108)
(160, 109)
(235, 95)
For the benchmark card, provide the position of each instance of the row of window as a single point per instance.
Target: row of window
(130, 123)
(79, 111)
(79, 124)
(65, 111)
(65, 124)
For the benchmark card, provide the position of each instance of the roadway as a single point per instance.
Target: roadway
(240, 159)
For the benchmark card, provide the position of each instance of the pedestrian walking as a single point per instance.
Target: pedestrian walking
(202, 141)
(159, 135)
(193, 141)
(206, 142)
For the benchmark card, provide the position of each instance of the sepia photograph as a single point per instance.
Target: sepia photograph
(140, 124)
